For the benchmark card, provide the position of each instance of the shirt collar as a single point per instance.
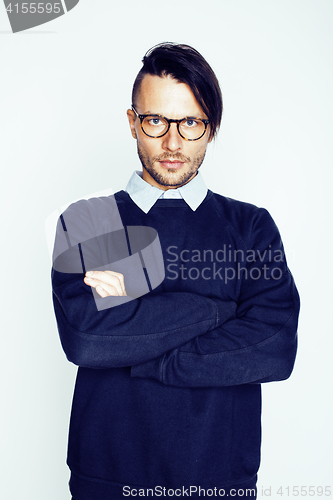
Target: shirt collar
(145, 196)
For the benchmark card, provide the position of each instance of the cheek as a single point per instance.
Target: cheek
(150, 148)
(197, 151)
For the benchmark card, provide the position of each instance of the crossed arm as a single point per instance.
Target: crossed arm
(211, 359)
(181, 338)
(135, 331)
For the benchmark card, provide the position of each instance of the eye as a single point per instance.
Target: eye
(191, 123)
(154, 121)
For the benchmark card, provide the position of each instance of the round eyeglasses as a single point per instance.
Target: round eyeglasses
(189, 128)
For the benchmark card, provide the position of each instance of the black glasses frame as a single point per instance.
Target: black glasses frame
(171, 120)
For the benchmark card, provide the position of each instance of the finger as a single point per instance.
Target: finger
(109, 289)
(109, 278)
(101, 291)
(120, 277)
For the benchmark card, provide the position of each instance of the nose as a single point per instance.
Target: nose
(172, 140)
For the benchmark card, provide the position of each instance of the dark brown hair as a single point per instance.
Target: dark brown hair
(185, 64)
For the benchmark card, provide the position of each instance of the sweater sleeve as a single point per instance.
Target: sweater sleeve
(130, 330)
(258, 344)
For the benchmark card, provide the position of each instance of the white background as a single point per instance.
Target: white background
(65, 87)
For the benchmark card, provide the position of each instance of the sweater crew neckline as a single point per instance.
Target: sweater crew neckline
(164, 202)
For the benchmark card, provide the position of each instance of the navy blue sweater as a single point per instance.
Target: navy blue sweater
(168, 386)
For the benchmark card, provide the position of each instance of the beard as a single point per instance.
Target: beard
(172, 176)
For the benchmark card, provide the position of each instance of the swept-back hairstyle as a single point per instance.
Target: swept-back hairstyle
(185, 64)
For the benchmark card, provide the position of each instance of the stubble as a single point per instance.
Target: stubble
(172, 177)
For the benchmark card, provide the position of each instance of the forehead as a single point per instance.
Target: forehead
(166, 96)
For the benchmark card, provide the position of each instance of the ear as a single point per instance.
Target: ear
(131, 120)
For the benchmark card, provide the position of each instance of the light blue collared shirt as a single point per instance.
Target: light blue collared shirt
(145, 196)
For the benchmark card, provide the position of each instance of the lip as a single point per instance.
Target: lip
(171, 164)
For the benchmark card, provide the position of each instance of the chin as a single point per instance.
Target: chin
(171, 177)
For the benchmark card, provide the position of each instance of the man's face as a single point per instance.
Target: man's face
(169, 161)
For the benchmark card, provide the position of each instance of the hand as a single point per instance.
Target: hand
(106, 283)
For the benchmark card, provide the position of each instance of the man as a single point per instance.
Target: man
(168, 397)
